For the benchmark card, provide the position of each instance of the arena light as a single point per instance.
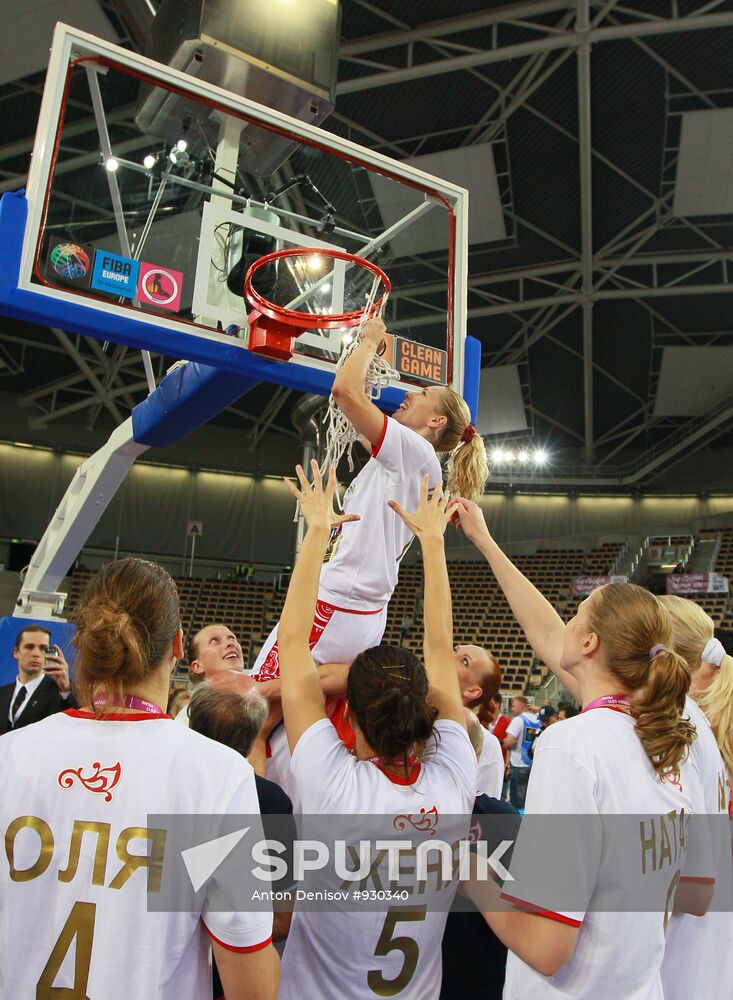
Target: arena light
(508, 457)
(497, 456)
(540, 456)
(149, 161)
(315, 262)
(181, 145)
(111, 164)
(523, 457)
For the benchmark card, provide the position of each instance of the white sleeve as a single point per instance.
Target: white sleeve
(319, 765)
(403, 452)
(490, 767)
(547, 859)
(515, 727)
(451, 748)
(239, 930)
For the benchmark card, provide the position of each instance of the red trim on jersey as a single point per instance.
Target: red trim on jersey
(380, 440)
(79, 713)
(231, 947)
(410, 779)
(341, 724)
(697, 878)
(540, 912)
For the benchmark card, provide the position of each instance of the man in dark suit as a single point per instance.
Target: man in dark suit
(42, 686)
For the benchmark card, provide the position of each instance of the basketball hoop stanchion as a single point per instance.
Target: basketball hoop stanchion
(273, 329)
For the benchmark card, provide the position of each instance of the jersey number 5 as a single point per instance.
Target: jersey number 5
(79, 925)
(387, 943)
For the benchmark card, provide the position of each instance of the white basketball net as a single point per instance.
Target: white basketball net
(341, 435)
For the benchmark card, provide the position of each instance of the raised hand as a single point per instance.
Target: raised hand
(316, 503)
(373, 332)
(432, 514)
(470, 519)
(57, 669)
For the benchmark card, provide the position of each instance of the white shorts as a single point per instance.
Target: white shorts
(338, 635)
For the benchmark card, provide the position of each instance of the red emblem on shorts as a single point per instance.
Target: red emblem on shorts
(270, 668)
(423, 822)
(101, 781)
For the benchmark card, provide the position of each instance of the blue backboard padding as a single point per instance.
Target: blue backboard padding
(472, 375)
(61, 635)
(126, 327)
(186, 399)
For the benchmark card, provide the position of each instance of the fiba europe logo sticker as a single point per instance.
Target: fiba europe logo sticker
(69, 260)
(160, 286)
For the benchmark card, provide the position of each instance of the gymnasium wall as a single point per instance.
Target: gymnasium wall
(250, 518)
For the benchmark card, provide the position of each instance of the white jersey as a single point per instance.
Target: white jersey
(698, 954)
(589, 766)
(490, 767)
(75, 796)
(329, 955)
(365, 555)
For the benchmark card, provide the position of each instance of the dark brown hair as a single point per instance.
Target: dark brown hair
(630, 622)
(387, 690)
(125, 622)
(31, 628)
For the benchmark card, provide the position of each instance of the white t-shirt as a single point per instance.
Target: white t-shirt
(698, 952)
(516, 729)
(143, 765)
(595, 765)
(490, 767)
(328, 955)
(365, 555)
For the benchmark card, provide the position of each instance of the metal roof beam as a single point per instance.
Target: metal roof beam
(450, 26)
(638, 29)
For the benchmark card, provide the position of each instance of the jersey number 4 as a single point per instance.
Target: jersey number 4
(79, 926)
(388, 942)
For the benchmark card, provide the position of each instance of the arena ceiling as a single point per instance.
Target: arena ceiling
(610, 122)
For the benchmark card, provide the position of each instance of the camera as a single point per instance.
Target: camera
(50, 651)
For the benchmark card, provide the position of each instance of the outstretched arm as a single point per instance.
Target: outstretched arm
(302, 699)
(349, 385)
(538, 619)
(429, 522)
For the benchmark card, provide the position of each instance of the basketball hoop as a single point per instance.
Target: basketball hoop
(274, 328)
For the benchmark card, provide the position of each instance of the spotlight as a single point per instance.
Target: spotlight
(111, 164)
(539, 457)
(149, 161)
(509, 457)
(315, 262)
(523, 456)
(181, 145)
(326, 286)
(497, 455)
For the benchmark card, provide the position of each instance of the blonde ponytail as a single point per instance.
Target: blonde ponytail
(467, 467)
(630, 622)
(717, 704)
(692, 629)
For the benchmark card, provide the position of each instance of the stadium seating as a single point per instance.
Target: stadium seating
(481, 614)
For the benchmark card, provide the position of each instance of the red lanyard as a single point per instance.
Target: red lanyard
(617, 702)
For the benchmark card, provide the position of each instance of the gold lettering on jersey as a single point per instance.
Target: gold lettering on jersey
(132, 862)
(45, 847)
(79, 927)
(663, 840)
(722, 803)
(101, 848)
